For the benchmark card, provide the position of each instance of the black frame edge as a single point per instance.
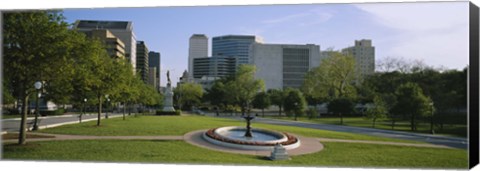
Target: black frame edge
(473, 72)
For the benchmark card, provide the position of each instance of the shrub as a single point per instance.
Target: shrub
(53, 112)
(161, 112)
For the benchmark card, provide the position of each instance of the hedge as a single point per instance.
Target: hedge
(160, 112)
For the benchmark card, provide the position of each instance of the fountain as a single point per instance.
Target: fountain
(247, 138)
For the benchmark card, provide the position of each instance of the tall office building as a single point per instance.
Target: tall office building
(152, 77)
(216, 67)
(283, 65)
(154, 60)
(142, 60)
(115, 46)
(234, 46)
(121, 29)
(364, 54)
(197, 48)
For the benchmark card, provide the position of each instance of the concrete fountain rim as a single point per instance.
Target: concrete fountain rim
(210, 136)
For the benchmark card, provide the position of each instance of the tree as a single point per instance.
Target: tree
(261, 101)
(412, 102)
(277, 97)
(36, 48)
(217, 95)
(188, 94)
(341, 106)
(334, 78)
(244, 87)
(295, 103)
(378, 111)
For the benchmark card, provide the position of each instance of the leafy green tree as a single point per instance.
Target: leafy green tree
(412, 102)
(217, 95)
(36, 48)
(244, 87)
(334, 78)
(378, 111)
(295, 103)
(277, 97)
(261, 101)
(341, 106)
(7, 97)
(188, 94)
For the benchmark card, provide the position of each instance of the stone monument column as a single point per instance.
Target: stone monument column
(168, 102)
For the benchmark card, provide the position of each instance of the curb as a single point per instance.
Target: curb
(41, 117)
(65, 123)
(74, 122)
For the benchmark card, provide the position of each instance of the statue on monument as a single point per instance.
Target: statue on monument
(169, 83)
(168, 101)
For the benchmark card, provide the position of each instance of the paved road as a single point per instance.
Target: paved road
(454, 142)
(433, 139)
(13, 125)
(10, 125)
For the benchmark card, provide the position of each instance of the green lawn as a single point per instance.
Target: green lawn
(334, 154)
(179, 125)
(448, 130)
(14, 116)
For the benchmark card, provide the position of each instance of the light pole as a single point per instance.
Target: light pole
(38, 86)
(83, 112)
(106, 106)
(431, 119)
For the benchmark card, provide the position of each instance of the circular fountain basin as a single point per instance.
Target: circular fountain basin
(261, 139)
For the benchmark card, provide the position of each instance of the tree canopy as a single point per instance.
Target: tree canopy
(334, 78)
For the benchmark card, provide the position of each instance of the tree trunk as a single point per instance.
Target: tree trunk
(373, 125)
(393, 123)
(124, 109)
(341, 119)
(99, 109)
(23, 123)
(129, 109)
(279, 110)
(263, 112)
(412, 122)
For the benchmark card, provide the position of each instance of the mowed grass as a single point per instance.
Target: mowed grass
(180, 125)
(144, 151)
(448, 129)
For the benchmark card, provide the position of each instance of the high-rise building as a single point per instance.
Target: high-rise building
(142, 60)
(121, 29)
(152, 77)
(216, 66)
(154, 60)
(198, 48)
(234, 46)
(364, 54)
(283, 65)
(115, 46)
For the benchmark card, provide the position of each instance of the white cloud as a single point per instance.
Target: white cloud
(307, 18)
(285, 18)
(418, 16)
(436, 33)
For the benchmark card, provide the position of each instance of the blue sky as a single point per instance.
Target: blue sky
(436, 33)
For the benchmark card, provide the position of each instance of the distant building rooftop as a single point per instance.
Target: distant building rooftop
(95, 24)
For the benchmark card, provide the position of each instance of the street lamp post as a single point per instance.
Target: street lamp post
(106, 106)
(431, 119)
(38, 86)
(84, 110)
